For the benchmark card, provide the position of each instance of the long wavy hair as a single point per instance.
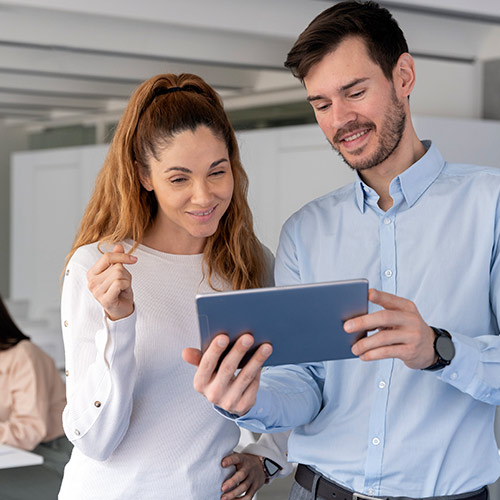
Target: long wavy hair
(120, 207)
(10, 335)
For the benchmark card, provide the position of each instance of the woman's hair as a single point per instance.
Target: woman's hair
(121, 208)
(383, 37)
(10, 335)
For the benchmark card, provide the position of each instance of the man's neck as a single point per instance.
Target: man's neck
(379, 178)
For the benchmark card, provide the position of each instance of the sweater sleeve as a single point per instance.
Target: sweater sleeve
(26, 426)
(100, 368)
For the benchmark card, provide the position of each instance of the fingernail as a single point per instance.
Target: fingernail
(348, 325)
(133, 257)
(247, 341)
(266, 349)
(222, 341)
(354, 350)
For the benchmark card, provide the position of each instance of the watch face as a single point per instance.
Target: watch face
(271, 467)
(445, 348)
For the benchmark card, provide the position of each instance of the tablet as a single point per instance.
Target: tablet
(304, 323)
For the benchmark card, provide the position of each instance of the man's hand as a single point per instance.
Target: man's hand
(222, 387)
(247, 479)
(402, 333)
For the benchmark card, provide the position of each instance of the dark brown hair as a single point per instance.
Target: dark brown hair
(121, 208)
(10, 335)
(384, 39)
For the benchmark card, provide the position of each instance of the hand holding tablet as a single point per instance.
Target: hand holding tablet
(303, 323)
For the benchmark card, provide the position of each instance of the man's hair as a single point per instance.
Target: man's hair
(383, 37)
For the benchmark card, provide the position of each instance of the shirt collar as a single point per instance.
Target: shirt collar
(413, 182)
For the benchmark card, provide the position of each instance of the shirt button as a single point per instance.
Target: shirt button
(388, 273)
(77, 432)
(371, 491)
(66, 323)
(381, 384)
(67, 373)
(376, 441)
(259, 411)
(454, 376)
(97, 404)
(67, 272)
(387, 221)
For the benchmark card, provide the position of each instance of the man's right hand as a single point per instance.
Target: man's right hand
(235, 393)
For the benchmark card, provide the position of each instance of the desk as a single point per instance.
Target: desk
(14, 457)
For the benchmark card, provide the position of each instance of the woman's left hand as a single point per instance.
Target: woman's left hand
(247, 479)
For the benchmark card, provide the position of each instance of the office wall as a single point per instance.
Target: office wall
(11, 139)
(287, 167)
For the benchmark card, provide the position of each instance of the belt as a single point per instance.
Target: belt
(329, 490)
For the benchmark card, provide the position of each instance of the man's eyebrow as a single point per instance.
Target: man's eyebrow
(353, 84)
(345, 87)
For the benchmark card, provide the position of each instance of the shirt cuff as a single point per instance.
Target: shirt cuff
(460, 372)
(254, 419)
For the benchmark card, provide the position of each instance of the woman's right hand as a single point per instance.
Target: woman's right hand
(111, 284)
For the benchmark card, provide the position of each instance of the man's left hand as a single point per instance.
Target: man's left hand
(402, 333)
(247, 479)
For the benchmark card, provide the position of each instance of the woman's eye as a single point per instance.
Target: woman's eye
(218, 173)
(178, 180)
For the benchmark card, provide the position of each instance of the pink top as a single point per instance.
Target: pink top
(32, 397)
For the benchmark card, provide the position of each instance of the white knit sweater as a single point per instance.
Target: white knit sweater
(139, 428)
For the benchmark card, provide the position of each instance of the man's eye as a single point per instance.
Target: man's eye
(356, 95)
(322, 107)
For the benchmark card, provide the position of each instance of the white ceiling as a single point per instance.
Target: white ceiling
(68, 61)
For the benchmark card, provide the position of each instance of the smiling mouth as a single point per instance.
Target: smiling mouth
(202, 214)
(355, 136)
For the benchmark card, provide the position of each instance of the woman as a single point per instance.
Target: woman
(32, 398)
(168, 219)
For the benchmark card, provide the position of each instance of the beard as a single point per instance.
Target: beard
(389, 136)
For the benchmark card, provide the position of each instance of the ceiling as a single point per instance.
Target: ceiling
(70, 62)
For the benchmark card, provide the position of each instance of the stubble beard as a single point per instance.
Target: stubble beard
(389, 137)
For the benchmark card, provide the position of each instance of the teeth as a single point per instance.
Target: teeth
(355, 136)
(204, 213)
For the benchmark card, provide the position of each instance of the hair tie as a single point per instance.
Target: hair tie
(187, 88)
(159, 91)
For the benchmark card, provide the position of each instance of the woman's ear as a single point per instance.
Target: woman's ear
(404, 75)
(144, 176)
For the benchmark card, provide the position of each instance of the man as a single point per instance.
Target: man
(413, 416)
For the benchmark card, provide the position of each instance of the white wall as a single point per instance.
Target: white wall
(11, 139)
(287, 167)
(49, 192)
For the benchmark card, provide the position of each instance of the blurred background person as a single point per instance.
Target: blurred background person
(32, 398)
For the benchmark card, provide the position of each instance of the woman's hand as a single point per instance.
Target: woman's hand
(248, 478)
(111, 284)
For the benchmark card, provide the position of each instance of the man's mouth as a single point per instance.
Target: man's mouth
(353, 137)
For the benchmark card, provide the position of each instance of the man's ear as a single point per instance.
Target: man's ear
(144, 177)
(404, 75)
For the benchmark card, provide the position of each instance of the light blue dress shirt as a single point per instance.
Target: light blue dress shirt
(381, 428)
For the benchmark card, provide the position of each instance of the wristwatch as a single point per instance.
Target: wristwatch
(444, 349)
(270, 468)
